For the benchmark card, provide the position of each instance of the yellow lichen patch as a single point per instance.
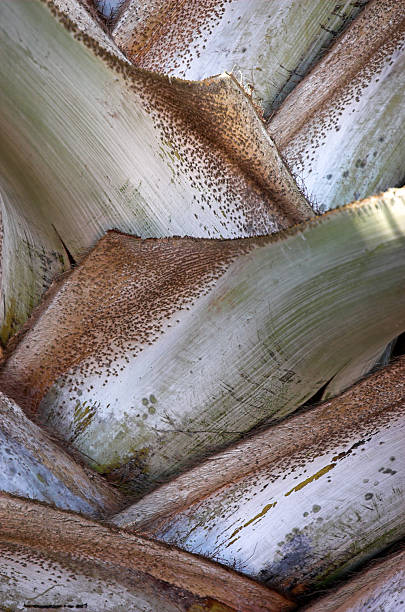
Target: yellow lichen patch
(302, 484)
(232, 541)
(83, 416)
(255, 518)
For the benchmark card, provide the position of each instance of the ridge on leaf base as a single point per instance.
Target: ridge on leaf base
(91, 143)
(300, 504)
(154, 353)
(341, 129)
(266, 44)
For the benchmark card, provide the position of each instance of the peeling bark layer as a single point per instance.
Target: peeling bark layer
(110, 569)
(301, 503)
(152, 354)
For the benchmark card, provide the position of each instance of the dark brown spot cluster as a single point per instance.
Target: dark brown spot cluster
(164, 36)
(115, 303)
(215, 139)
(358, 56)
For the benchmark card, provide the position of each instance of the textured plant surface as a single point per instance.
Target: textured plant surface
(202, 305)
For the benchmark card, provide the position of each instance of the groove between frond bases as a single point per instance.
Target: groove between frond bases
(372, 403)
(354, 208)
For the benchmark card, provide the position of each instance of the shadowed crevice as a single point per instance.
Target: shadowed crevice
(71, 259)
